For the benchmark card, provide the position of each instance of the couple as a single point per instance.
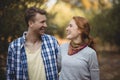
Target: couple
(37, 56)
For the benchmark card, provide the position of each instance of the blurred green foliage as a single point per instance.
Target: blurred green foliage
(106, 24)
(12, 22)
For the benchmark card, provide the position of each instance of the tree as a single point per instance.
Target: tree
(12, 19)
(107, 24)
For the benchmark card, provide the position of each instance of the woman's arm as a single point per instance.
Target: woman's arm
(93, 66)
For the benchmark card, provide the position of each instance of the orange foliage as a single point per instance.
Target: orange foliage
(86, 4)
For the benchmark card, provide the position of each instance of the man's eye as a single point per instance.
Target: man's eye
(42, 21)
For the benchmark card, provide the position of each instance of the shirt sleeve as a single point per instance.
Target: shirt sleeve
(59, 60)
(10, 65)
(56, 47)
(93, 66)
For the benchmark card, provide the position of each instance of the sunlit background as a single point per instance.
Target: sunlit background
(103, 16)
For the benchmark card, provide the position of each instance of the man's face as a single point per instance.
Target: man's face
(39, 24)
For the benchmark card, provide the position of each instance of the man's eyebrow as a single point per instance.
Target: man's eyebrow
(43, 21)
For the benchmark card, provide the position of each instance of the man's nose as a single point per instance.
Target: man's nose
(45, 24)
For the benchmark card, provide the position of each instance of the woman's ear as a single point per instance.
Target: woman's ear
(79, 31)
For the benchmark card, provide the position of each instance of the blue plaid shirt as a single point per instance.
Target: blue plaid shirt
(17, 68)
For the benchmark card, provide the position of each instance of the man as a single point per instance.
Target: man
(33, 56)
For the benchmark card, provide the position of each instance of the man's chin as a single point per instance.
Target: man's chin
(42, 33)
(68, 38)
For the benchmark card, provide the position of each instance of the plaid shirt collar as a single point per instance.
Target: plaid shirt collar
(24, 38)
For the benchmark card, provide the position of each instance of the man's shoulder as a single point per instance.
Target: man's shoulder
(16, 41)
(47, 36)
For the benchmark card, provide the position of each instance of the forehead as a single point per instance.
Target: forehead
(40, 17)
(72, 22)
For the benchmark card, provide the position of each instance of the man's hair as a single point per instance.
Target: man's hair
(31, 12)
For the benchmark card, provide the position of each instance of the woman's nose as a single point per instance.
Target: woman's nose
(67, 28)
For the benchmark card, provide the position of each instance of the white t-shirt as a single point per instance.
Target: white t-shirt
(36, 70)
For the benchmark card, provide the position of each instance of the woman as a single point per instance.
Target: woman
(77, 59)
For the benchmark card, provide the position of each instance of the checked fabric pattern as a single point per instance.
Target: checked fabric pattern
(17, 68)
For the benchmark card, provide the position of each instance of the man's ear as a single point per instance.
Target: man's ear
(30, 22)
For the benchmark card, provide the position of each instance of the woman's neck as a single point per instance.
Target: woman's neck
(76, 43)
(77, 40)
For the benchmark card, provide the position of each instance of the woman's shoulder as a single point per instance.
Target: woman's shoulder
(64, 48)
(64, 45)
(89, 50)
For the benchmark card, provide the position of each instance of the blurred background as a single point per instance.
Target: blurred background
(103, 16)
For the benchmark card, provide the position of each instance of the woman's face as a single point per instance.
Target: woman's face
(72, 30)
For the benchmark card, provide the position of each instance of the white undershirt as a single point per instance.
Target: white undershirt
(36, 70)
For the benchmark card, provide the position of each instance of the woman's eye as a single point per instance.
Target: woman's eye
(70, 25)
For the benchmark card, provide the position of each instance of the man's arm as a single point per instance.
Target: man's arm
(10, 64)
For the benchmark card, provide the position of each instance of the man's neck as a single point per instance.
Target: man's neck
(33, 42)
(32, 38)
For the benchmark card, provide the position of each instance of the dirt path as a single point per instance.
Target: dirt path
(109, 66)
